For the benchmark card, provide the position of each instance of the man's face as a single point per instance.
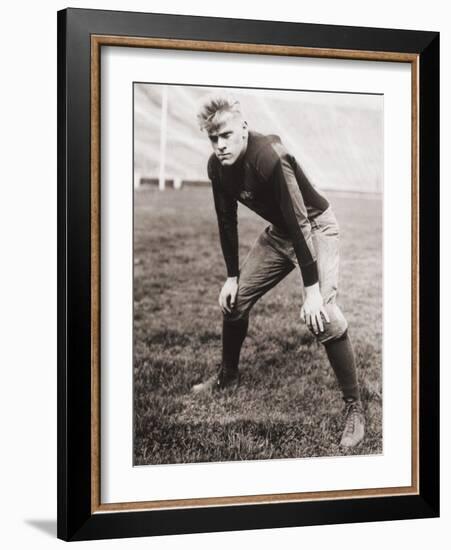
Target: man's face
(229, 138)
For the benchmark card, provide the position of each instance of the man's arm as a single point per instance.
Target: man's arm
(295, 215)
(226, 212)
(291, 202)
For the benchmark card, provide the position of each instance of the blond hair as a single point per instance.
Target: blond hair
(213, 106)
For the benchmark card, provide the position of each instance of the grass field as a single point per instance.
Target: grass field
(288, 405)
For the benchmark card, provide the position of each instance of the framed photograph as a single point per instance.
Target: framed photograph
(248, 274)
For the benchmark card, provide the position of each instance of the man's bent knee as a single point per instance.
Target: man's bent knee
(236, 314)
(335, 328)
(240, 310)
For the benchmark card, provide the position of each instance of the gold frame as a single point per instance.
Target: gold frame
(97, 41)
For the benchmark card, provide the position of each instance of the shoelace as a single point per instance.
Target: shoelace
(220, 376)
(223, 376)
(353, 410)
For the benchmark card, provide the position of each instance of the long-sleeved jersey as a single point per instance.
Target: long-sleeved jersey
(269, 181)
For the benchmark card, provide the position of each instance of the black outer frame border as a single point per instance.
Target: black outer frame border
(75, 521)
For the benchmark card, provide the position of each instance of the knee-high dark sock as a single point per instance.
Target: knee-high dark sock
(342, 360)
(233, 335)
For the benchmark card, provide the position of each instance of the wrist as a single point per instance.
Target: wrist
(234, 279)
(312, 289)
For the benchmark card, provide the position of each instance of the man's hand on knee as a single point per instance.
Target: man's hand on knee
(227, 296)
(313, 312)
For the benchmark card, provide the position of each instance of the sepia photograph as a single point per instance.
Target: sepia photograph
(247, 247)
(257, 274)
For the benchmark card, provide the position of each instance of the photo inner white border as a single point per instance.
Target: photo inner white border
(120, 481)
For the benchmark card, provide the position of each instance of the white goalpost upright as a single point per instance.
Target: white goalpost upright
(136, 179)
(163, 137)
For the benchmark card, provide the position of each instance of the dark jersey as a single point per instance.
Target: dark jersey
(269, 181)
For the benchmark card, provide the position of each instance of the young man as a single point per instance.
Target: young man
(257, 171)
